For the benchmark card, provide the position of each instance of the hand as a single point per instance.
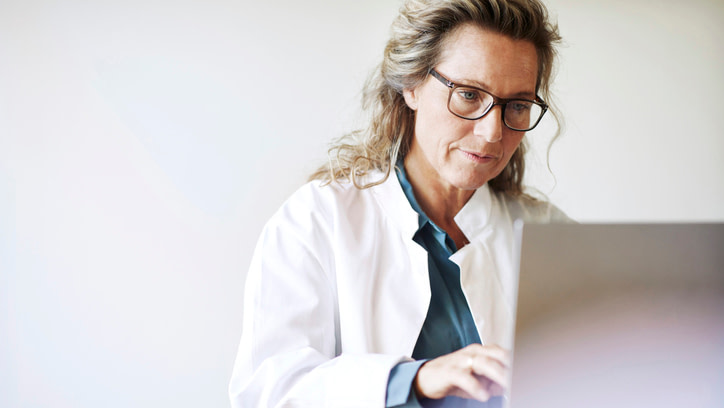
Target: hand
(474, 372)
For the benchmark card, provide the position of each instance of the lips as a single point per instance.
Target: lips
(479, 157)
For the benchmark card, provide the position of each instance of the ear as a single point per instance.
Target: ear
(410, 96)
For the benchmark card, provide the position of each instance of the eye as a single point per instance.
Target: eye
(468, 95)
(519, 106)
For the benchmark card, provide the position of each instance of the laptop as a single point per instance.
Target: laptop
(627, 315)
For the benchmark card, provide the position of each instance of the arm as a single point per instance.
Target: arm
(290, 348)
(400, 385)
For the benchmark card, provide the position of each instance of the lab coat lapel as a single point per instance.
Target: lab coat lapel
(412, 284)
(485, 267)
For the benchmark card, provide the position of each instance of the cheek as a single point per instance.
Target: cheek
(511, 145)
(436, 127)
(512, 141)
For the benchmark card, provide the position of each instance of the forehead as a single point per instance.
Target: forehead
(496, 62)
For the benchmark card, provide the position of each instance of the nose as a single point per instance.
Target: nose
(491, 125)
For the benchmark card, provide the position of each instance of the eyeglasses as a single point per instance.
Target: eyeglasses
(469, 102)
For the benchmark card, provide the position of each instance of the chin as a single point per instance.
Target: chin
(471, 181)
(470, 184)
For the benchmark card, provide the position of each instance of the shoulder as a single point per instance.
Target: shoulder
(532, 210)
(319, 194)
(326, 202)
(320, 220)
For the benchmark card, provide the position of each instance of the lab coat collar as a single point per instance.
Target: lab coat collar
(393, 201)
(479, 268)
(474, 218)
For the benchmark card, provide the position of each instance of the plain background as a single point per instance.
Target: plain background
(143, 144)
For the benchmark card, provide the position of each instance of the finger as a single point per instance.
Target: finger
(471, 387)
(492, 351)
(500, 354)
(496, 390)
(491, 369)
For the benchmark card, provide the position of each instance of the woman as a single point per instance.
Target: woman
(387, 280)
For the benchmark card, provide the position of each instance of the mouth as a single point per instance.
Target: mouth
(479, 157)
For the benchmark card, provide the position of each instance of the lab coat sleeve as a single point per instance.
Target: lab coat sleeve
(290, 351)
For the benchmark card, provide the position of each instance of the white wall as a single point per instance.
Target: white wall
(640, 85)
(144, 143)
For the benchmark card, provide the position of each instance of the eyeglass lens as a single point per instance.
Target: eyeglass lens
(472, 103)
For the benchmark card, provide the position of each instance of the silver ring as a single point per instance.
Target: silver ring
(470, 363)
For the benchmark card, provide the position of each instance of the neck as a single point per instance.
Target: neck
(439, 200)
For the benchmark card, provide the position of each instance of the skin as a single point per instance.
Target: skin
(454, 375)
(449, 158)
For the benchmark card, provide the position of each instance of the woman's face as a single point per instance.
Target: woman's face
(448, 152)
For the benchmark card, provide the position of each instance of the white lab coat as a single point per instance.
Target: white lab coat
(337, 291)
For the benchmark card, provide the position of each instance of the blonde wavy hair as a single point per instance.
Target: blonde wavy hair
(417, 37)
